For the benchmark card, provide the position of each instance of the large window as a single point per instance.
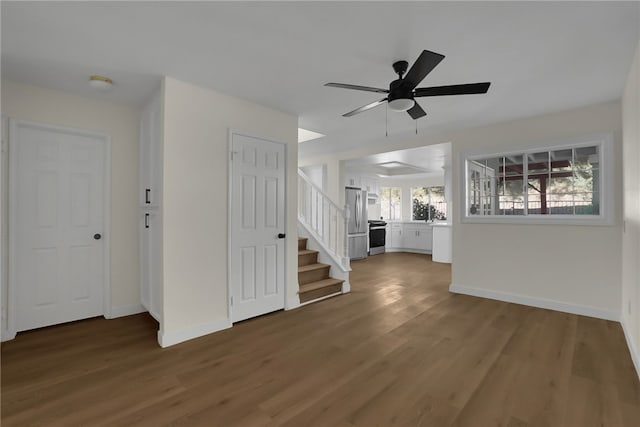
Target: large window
(564, 183)
(428, 204)
(390, 203)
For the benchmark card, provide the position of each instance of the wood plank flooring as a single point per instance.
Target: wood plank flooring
(398, 350)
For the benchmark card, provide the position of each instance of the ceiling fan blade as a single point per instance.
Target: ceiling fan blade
(356, 87)
(466, 89)
(426, 62)
(416, 112)
(364, 108)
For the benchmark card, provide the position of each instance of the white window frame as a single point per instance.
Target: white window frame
(606, 184)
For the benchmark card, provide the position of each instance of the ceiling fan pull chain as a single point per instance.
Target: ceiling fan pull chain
(416, 126)
(386, 121)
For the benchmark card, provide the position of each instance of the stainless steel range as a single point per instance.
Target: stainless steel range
(377, 236)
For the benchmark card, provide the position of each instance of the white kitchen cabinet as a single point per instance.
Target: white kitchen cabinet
(352, 181)
(370, 184)
(409, 237)
(417, 237)
(150, 206)
(395, 239)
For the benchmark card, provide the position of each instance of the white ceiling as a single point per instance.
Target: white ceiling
(540, 56)
(429, 161)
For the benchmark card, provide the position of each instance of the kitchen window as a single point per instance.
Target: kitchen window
(560, 184)
(391, 203)
(428, 204)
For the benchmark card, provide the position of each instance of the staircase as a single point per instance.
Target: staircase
(313, 277)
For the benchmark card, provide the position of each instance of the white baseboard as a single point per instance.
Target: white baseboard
(410, 251)
(7, 335)
(583, 310)
(635, 357)
(166, 339)
(125, 310)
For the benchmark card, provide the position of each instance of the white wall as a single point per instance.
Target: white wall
(27, 102)
(406, 185)
(317, 174)
(571, 268)
(195, 211)
(631, 201)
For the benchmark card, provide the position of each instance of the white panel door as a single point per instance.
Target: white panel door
(257, 220)
(58, 194)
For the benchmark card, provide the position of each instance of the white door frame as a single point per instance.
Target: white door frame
(14, 124)
(230, 214)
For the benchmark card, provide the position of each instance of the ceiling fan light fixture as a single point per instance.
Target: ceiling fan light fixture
(401, 104)
(100, 83)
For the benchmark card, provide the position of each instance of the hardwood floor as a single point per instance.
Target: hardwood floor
(398, 350)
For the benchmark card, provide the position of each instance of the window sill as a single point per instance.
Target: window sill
(538, 220)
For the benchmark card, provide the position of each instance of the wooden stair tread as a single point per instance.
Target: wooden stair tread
(319, 284)
(306, 251)
(311, 267)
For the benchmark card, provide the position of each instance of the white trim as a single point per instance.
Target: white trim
(346, 287)
(166, 339)
(230, 134)
(293, 304)
(7, 335)
(411, 251)
(107, 228)
(4, 333)
(635, 357)
(335, 294)
(607, 216)
(126, 310)
(583, 310)
(13, 127)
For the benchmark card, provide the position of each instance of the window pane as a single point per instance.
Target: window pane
(493, 165)
(538, 163)
(390, 203)
(534, 197)
(561, 160)
(513, 165)
(512, 197)
(560, 203)
(587, 203)
(560, 183)
(420, 204)
(438, 209)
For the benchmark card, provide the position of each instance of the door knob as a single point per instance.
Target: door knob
(281, 235)
(97, 236)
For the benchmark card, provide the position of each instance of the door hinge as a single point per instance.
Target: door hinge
(232, 301)
(233, 153)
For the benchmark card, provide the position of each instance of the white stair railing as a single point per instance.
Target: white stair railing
(325, 220)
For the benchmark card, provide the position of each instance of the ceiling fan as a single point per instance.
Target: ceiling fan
(401, 92)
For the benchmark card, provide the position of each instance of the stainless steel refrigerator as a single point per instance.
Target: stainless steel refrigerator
(356, 200)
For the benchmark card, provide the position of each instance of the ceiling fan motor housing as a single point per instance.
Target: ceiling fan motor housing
(398, 91)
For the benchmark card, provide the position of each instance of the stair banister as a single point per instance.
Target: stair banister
(324, 219)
